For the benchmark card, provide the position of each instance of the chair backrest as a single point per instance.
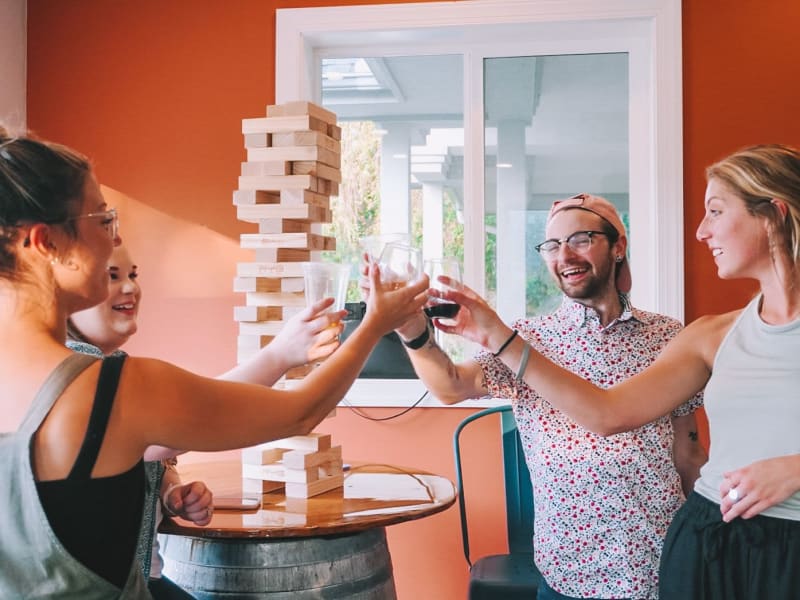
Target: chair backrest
(519, 492)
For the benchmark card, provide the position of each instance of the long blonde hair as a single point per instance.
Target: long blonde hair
(760, 174)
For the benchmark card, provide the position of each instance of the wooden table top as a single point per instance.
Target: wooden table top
(373, 495)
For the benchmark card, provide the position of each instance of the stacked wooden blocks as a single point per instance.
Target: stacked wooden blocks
(292, 169)
(305, 465)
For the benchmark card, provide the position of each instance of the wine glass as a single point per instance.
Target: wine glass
(399, 263)
(439, 308)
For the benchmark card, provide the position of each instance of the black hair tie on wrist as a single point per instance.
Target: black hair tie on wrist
(419, 341)
(506, 343)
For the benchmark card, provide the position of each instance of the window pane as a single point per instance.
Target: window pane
(555, 126)
(402, 152)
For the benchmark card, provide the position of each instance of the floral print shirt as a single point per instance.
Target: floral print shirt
(603, 504)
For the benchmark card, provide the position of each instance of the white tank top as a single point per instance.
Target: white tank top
(753, 402)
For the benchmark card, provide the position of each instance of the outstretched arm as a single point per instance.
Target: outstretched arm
(603, 411)
(159, 403)
(310, 335)
(448, 381)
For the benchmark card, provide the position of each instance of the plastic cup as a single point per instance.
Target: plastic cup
(326, 280)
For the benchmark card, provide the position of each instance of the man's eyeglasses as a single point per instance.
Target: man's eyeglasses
(579, 242)
(110, 220)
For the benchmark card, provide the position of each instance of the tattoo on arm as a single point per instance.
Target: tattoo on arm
(693, 436)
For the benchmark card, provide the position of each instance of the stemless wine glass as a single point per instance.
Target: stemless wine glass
(373, 245)
(326, 280)
(399, 263)
(438, 308)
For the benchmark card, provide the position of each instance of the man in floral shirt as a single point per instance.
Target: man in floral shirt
(603, 504)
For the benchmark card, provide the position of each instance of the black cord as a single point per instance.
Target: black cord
(364, 415)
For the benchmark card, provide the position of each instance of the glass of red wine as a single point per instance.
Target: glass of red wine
(438, 308)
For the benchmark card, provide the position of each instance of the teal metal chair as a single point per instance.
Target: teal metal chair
(510, 576)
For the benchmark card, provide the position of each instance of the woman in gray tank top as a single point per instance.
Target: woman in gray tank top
(738, 535)
(56, 235)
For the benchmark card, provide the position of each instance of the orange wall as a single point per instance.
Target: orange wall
(154, 92)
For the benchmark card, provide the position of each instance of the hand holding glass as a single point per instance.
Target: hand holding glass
(399, 264)
(439, 308)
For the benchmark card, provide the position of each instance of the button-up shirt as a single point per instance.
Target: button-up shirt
(603, 504)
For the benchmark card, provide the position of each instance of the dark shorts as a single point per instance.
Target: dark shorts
(705, 558)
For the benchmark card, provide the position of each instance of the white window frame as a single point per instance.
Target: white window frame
(649, 30)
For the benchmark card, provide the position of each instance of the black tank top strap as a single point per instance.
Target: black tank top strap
(107, 383)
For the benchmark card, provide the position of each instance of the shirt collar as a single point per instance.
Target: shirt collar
(580, 314)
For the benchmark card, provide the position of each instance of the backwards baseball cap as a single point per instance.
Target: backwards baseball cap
(602, 208)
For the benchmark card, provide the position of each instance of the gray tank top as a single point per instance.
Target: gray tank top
(34, 563)
(753, 402)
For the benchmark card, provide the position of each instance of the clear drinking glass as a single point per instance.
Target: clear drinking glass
(400, 263)
(373, 245)
(437, 308)
(326, 280)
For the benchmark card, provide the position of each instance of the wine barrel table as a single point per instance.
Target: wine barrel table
(328, 546)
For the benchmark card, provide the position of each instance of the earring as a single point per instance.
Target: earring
(618, 259)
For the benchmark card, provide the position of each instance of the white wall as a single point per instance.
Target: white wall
(13, 63)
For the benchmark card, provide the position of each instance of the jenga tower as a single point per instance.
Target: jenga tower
(292, 169)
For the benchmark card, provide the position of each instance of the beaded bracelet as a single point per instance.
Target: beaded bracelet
(506, 343)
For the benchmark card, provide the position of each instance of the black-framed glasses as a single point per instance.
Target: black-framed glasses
(579, 242)
(110, 220)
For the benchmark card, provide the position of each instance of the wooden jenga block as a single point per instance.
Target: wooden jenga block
(284, 226)
(258, 455)
(257, 140)
(259, 486)
(285, 124)
(309, 241)
(313, 442)
(294, 197)
(293, 153)
(276, 183)
(304, 138)
(258, 269)
(335, 132)
(303, 459)
(252, 342)
(318, 169)
(271, 167)
(248, 197)
(265, 284)
(259, 212)
(280, 299)
(301, 107)
(261, 313)
(307, 490)
(280, 255)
